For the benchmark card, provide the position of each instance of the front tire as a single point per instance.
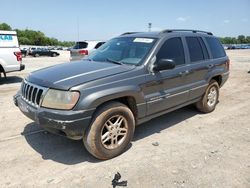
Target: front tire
(110, 132)
(209, 100)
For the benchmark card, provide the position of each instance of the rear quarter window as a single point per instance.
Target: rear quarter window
(216, 48)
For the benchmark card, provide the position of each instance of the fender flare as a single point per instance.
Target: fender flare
(94, 100)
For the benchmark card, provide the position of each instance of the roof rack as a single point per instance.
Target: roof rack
(185, 30)
(129, 33)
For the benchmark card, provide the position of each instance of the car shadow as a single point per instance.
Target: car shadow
(165, 121)
(70, 152)
(56, 148)
(10, 80)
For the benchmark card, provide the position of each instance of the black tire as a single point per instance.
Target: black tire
(54, 55)
(36, 55)
(204, 105)
(93, 140)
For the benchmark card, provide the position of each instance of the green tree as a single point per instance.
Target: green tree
(24, 40)
(248, 39)
(31, 37)
(5, 26)
(241, 39)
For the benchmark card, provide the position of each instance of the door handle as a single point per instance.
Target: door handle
(183, 73)
(210, 66)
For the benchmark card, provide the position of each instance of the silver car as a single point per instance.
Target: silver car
(83, 48)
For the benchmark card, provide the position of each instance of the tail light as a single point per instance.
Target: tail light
(83, 52)
(18, 56)
(228, 64)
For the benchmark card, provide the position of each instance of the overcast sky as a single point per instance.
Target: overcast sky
(103, 19)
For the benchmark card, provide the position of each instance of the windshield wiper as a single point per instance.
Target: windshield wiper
(114, 61)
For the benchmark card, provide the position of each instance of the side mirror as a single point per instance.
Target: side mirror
(163, 64)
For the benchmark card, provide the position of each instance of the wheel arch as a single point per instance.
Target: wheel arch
(128, 95)
(218, 79)
(129, 101)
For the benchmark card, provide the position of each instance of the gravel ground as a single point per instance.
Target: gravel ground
(181, 149)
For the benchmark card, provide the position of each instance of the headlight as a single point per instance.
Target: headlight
(57, 99)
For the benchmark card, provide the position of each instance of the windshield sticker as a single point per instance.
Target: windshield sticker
(143, 40)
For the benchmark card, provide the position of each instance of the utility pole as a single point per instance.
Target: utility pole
(77, 28)
(149, 27)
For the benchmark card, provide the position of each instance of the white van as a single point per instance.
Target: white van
(10, 53)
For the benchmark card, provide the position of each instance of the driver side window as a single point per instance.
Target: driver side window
(172, 49)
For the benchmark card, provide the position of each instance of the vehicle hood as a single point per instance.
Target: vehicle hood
(67, 75)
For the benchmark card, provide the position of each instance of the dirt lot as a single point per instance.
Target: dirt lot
(195, 150)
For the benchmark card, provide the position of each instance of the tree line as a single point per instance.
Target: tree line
(31, 37)
(241, 39)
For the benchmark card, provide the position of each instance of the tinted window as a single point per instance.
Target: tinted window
(172, 49)
(216, 48)
(99, 44)
(80, 45)
(195, 49)
(204, 48)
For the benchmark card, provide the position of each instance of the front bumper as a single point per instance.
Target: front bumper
(71, 124)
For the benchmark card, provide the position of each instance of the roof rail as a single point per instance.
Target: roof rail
(185, 30)
(129, 33)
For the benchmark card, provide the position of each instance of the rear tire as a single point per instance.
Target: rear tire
(209, 100)
(36, 55)
(110, 132)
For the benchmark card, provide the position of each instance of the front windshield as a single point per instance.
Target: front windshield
(127, 50)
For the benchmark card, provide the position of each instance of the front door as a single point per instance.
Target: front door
(167, 88)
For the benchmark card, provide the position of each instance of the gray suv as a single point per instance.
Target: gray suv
(127, 81)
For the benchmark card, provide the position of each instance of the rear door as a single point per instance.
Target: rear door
(198, 66)
(43, 52)
(166, 89)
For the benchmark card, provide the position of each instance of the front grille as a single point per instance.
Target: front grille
(32, 93)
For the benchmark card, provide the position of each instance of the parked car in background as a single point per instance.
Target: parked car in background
(10, 54)
(44, 52)
(24, 52)
(31, 49)
(238, 46)
(83, 48)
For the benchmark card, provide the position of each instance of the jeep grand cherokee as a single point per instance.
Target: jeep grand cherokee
(129, 80)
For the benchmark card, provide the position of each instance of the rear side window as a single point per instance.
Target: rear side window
(80, 45)
(99, 44)
(216, 48)
(172, 49)
(195, 49)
